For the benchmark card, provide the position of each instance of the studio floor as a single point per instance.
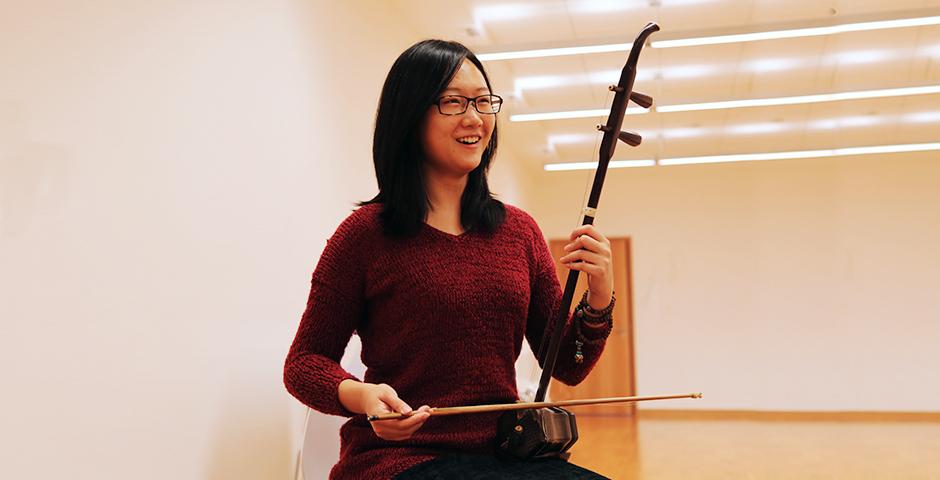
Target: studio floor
(682, 446)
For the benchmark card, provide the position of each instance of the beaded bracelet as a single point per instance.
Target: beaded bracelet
(590, 312)
(595, 320)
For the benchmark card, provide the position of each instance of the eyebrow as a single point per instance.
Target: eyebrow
(481, 89)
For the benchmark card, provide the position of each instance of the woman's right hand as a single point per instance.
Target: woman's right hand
(375, 399)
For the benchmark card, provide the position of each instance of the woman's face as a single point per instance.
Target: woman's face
(454, 144)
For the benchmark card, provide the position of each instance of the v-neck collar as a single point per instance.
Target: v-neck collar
(446, 234)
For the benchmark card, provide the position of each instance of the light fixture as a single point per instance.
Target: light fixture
(532, 117)
(797, 32)
(553, 52)
(697, 71)
(835, 152)
(516, 11)
(861, 57)
(751, 157)
(685, 42)
(766, 65)
(756, 102)
(571, 138)
(842, 122)
(681, 132)
(558, 167)
(922, 117)
(755, 128)
(825, 97)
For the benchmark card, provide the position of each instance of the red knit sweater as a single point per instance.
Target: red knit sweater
(441, 318)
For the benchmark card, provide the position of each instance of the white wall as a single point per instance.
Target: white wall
(789, 285)
(169, 173)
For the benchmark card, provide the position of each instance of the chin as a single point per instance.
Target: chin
(465, 164)
(469, 167)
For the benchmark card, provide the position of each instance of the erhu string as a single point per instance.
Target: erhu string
(534, 369)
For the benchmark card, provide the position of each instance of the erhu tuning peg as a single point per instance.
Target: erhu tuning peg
(644, 101)
(640, 99)
(630, 138)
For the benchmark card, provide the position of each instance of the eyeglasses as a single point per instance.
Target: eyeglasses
(457, 104)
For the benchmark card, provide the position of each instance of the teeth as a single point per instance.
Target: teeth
(469, 140)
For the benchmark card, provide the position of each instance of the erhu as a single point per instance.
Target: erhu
(551, 431)
(540, 429)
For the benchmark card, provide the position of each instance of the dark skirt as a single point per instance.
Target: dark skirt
(488, 467)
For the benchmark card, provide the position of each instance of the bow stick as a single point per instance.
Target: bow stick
(502, 407)
(548, 351)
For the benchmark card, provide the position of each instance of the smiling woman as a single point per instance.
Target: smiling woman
(442, 282)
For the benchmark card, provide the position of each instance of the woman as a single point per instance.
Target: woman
(441, 282)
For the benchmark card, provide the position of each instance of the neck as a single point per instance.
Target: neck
(444, 193)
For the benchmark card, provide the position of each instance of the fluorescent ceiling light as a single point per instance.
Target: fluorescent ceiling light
(689, 132)
(684, 42)
(676, 72)
(686, 71)
(681, 132)
(541, 82)
(841, 122)
(772, 64)
(554, 52)
(826, 97)
(750, 128)
(514, 11)
(571, 138)
(750, 157)
(602, 112)
(825, 124)
(922, 117)
(583, 138)
(557, 167)
(861, 57)
(932, 51)
(608, 77)
(613, 76)
(602, 6)
(797, 32)
(860, 121)
(757, 102)
(836, 152)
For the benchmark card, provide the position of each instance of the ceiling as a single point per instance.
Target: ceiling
(854, 61)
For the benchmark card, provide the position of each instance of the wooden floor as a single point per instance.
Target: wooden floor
(686, 447)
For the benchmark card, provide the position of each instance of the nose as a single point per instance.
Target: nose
(472, 116)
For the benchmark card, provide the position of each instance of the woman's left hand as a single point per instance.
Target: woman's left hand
(593, 250)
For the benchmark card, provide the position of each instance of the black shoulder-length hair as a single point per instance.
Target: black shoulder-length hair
(414, 83)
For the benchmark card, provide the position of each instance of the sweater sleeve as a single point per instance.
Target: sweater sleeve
(546, 294)
(312, 372)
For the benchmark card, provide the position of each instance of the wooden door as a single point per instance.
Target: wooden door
(614, 375)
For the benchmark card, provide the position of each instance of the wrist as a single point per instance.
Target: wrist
(351, 394)
(598, 302)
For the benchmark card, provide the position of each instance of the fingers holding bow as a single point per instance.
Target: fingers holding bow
(589, 252)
